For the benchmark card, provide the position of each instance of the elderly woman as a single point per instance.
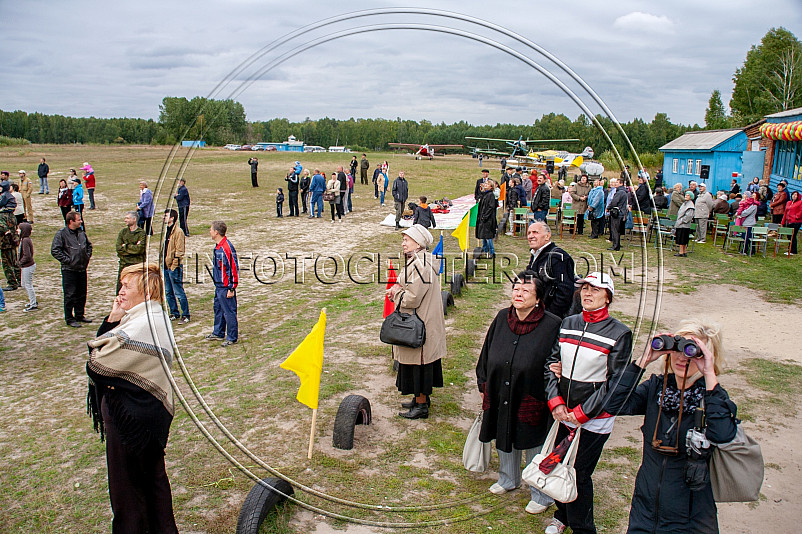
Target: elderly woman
(418, 290)
(131, 401)
(579, 197)
(510, 377)
(583, 369)
(663, 501)
(682, 228)
(746, 216)
(676, 200)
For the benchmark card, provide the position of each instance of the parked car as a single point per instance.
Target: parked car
(232, 147)
(244, 147)
(258, 147)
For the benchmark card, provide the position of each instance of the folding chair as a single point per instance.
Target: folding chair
(760, 234)
(640, 226)
(553, 214)
(784, 235)
(521, 218)
(720, 226)
(664, 227)
(569, 220)
(735, 234)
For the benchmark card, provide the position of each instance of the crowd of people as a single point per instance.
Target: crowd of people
(554, 356)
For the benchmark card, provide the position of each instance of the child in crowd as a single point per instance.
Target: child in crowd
(279, 203)
(26, 263)
(423, 214)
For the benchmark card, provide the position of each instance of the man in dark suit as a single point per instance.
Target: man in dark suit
(479, 182)
(617, 208)
(554, 266)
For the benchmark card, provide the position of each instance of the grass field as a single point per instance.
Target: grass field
(54, 465)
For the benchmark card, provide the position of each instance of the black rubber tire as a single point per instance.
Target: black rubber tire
(448, 300)
(470, 267)
(354, 410)
(477, 253)
(457, 282)
(259, 502)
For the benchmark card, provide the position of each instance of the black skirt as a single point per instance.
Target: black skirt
(419, 379)
(682, 236)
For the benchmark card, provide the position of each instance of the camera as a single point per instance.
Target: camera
(678, 343)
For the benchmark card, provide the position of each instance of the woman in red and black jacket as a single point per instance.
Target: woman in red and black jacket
(792, 218)
(585, 364)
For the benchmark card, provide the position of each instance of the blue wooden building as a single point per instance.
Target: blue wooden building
(193, 143)
(290, 145)
(721, 150)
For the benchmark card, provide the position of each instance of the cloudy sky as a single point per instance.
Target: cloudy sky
(112, 59)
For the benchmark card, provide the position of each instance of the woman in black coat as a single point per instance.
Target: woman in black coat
(486, 224)
(663, 501)
(510, 376)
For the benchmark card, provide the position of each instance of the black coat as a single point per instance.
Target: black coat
(510, 369)
(556, 267)
(486, 223)
(644, 201)
(541, 198)
(662, 502)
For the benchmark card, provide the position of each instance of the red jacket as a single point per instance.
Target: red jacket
(793, 212)
(777, 204)
(90, 180)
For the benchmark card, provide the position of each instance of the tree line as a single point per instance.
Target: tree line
(223, 121)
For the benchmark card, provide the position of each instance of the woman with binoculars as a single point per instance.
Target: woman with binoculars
(685, 412)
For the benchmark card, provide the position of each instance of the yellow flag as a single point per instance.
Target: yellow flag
(306, 361)
(461, 233)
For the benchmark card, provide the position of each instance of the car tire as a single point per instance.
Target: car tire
(457, 282)
(260, 502)
(354, 410)
(477, 253)
(470, 267)
(448, 300)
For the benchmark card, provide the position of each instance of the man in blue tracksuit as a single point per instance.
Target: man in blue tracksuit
(317, 187)
(225, 274)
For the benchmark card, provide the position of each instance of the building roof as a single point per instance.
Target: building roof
(701, 140)
(786, 113)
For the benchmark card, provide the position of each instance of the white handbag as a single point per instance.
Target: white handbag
(476, 455)
(560, 484)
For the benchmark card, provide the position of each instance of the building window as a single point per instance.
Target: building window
(788, 160)
(674, 166)
(698, 167)
(690, 166)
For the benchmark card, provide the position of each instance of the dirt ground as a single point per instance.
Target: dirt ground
(753, 328)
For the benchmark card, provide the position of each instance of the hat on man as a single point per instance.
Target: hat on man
(420, 235)
(486, 171)
(20, 172)
(597, 279)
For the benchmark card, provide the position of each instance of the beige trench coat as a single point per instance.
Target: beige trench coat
(25, 188)
(421, 292)
(582, 190)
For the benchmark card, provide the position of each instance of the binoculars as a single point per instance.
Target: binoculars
(679, 344)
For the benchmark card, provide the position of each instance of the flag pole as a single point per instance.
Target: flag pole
(442, 259)
(312, 434)
(314, 422)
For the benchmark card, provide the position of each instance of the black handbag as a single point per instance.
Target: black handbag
(403, 329)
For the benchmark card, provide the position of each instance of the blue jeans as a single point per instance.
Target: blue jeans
(487, 246)
(317, 200)
(540, 215)
(350, 206)
(174, 285)
(2, 300)
(381, 195)
(225, 315)
(43, 188)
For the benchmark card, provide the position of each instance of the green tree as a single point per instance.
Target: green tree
(770, 79)
(715, 115)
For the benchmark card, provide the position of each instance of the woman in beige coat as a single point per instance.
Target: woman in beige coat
(418, 290)
(580, 202)
(677, 199)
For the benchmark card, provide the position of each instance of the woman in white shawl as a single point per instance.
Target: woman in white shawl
(131, 401)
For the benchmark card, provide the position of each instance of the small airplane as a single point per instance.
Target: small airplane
(519, 145)
(425, 150)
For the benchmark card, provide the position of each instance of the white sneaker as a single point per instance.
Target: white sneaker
(498, 489)
(555, 527)
(535, 507)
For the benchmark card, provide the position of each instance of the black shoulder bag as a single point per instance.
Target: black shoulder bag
(403, 329)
